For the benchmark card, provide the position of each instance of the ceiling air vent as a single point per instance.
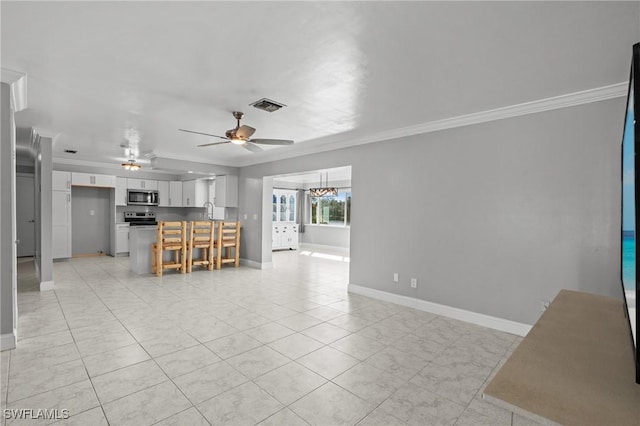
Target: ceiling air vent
(267, 105)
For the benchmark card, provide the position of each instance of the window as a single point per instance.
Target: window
(284, 203)
(335, 211)
(292, 208)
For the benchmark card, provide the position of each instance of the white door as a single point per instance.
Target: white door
(25, 216)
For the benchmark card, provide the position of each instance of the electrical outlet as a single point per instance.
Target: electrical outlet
(414, 282)
(396, 278)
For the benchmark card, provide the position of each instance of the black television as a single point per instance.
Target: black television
(630, 251)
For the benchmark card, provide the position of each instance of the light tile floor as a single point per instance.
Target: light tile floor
(287, 346)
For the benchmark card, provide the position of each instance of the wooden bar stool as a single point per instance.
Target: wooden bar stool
(201, 237)
(227, 243)
(170, 236)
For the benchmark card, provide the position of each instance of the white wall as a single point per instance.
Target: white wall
(490, 218)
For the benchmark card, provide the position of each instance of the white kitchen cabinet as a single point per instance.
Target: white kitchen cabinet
(284, 236)
(194, 193)
(226, 191)
(122, 238)
(163, 193)
(175, 193)
(142, 184)
(88, 179)
(170, 193)
(121, 191)
(61, 224)
(61, 181)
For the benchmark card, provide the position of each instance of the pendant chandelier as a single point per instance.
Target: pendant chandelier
(324, 191)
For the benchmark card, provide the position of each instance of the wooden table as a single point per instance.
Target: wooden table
(575, 366)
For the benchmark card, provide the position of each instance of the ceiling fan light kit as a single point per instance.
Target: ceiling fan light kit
(131, 165)
(241, 135)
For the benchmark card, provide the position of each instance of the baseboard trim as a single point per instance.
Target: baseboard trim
(304, 245)
(256, 265)
(483, 320)
(46, 285)
(7, 341)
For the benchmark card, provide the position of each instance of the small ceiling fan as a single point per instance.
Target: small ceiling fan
(241, 135)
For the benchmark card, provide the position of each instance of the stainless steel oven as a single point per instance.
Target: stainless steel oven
(142, 197)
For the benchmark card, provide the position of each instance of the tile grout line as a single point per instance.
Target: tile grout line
(150, 358)
(82, 360)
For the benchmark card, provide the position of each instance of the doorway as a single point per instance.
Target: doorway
(323, 223)
(25, 215)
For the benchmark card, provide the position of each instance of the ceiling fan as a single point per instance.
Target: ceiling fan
(241, 135)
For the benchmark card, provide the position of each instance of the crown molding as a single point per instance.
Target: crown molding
(342, 141)
(18, 83)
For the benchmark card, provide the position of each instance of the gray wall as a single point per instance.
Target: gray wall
(334, 236)
(44, 213)
(490, 218)
(7, 220)
(91, 234)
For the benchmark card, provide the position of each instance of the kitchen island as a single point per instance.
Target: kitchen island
(140, 240)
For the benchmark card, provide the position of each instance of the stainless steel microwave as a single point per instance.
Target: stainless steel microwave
(142, 197)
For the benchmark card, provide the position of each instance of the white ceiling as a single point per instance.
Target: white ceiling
(103, 73)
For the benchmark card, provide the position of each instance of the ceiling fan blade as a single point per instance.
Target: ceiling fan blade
(272, 141)
(200, 133)
(213, 143)
(245, 132)
(251, 147)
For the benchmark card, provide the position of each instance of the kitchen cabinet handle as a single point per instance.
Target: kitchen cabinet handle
(68, 198)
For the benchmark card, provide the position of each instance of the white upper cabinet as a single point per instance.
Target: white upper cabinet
(142, 184)
(194, 193)
(121, 191)
(163, 193)
(61, 181)
(226, 191)
(175, 193)
(284, 205)
(170, 193)
(89, 179)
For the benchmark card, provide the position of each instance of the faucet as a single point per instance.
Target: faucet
(206, 206)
